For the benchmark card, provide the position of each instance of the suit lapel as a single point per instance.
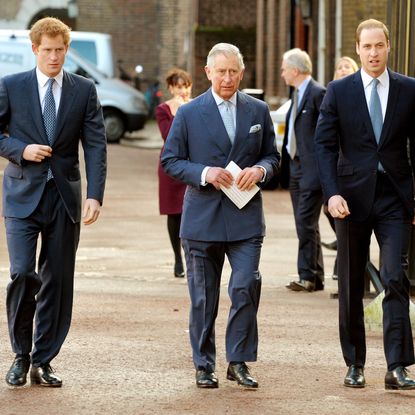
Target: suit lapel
(394, 88)
(66, 102)
(304, 98)
(359, 100)
(213, 122)
(35, 107)
(243, 123)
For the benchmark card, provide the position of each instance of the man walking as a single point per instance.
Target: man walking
(220, 126)
(299, 167)
(46, 112)
(362, 137)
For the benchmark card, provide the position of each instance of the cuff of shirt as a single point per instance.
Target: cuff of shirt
(203, 176)
(263, 170)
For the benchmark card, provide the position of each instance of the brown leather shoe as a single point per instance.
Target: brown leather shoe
(240, 373)
(206, 379)
(355, 377)
(16, 376)
(43, 375)
(302, 285)
(398, 379)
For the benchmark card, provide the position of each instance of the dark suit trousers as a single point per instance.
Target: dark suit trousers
(204, 269)
(46, 295)
(307, 207)
(391, 225)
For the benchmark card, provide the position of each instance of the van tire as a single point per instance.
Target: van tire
(114, 125)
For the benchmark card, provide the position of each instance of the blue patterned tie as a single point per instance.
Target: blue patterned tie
(49, 117)
(375, 110)
(228, 120)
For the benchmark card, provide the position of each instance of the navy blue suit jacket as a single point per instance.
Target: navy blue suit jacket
(348, 154)
(197, 139)
(79, 118)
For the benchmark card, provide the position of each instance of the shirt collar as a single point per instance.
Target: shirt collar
(219, 100)
(367, 79)
(42, 79)
(302, 87)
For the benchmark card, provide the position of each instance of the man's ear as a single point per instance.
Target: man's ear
(208, 74)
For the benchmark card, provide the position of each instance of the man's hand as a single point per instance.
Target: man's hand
(249, 177)
(36, 152)
(91, 211)
(218, 176)
(338, 207)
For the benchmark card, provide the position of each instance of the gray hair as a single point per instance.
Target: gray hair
(224, 49)
(298, 59)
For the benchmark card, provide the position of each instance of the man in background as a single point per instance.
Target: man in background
(299, 167)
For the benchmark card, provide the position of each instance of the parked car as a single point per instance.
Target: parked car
(125, 108)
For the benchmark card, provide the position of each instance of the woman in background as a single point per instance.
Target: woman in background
(171, 191)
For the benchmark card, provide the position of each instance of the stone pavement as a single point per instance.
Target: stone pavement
(147, 138)
(128, 350)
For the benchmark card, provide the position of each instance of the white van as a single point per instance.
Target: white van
(125, 108)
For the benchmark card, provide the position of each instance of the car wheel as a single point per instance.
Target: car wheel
(114, 126)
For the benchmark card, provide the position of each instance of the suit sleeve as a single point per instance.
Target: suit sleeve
(327, 143)
(95, 147)
(270, 157)
(175, 156)
(11, 148)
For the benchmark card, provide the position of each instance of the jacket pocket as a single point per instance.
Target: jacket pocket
(345, 170)
(74, 175)
(12, 170)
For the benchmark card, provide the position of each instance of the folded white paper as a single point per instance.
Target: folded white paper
(239, 197)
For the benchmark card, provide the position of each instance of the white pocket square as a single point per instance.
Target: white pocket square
(255, 128)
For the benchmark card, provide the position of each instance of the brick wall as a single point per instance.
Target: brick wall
(354, 11)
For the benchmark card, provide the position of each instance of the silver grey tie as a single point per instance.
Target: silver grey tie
(292, 149)
(375, 110)
(49, 117)
(227, 118)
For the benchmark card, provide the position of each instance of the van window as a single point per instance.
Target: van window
(87, 49)
(71, 66)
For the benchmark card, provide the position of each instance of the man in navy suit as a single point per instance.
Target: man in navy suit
(365, 147)
(220, 126)
(44, 114)
(299, 167)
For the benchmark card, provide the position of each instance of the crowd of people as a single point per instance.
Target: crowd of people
(345, 151)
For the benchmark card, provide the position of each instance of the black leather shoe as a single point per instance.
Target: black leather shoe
(178, 270)
(330, 245)
(240, 373)
(302, 285)
(16, 376)
(355, 377)
(206, 379)
(398, 379)
(43, 376)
